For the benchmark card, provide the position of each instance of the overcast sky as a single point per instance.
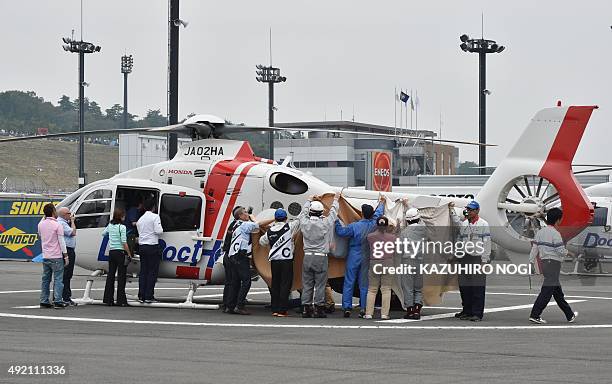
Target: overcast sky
(335, 55)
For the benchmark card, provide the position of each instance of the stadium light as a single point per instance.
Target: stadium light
(81, 47)
(270, 75)
(482, 47)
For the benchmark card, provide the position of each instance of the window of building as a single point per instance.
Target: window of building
(288, 184)
(180, 213)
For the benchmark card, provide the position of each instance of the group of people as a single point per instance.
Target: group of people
(318, 229)
(140, 227)
(58, 239)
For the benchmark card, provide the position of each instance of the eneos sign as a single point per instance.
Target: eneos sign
(381, 180)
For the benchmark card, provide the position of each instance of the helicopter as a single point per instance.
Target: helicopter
(197, 190)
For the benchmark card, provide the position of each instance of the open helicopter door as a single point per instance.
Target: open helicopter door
(184, 253)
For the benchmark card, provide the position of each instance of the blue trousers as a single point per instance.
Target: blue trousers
(55, 268)
(356, 271)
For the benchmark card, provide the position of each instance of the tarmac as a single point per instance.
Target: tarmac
(100, 344)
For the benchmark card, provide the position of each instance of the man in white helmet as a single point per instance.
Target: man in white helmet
(317, 231)
(412, 283)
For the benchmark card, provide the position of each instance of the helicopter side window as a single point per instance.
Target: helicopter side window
(94, 211)
(600, 217)
(288, 184)
(180, 213)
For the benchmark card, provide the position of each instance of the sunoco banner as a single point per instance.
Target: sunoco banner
(19, 220)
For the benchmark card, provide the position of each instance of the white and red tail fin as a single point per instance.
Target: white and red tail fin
(543, 155)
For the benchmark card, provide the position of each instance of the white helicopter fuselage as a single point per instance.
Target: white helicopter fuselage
(197, 190)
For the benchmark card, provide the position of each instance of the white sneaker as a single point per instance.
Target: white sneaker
(384, 317)
(573, 317)
(367, 316)
(537, 320)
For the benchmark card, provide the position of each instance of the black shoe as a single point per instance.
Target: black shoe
(361, 314)
(465, 317)
(475, 318)
(307, 312)
(241, 311)
(347, 313)
(46, 305)
(123, 305)
(61, 305)
(320, 312)
(330, 308)
(70, 302)
(459, 314)
(108, 303)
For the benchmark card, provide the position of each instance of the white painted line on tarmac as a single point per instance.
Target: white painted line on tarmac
(452, 314)
(195, 297)
(127, 288)
(312, 326)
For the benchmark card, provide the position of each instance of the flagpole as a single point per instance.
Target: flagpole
(411, 108)
(395, 111)
(401, 126)
(416, 109)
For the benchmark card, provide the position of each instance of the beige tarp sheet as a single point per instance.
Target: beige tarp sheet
(438, 228)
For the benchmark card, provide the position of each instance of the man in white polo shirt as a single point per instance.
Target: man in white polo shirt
(149, 229)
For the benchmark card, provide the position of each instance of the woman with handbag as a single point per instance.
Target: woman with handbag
(118, 259)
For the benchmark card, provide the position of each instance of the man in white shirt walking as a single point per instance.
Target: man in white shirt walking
(149, 229)
(549, 244)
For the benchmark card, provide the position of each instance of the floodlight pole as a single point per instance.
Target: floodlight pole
(82, 181)
(482, 112)
(173, 66)
(126, 68)
(482, 47)
(81, 47)
(270, 75)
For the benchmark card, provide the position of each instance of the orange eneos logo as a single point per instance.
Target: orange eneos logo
(382, 172)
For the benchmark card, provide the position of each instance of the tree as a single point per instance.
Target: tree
(94, 109)
(154, 118)
(65, 104)
(468, 168)
(115, 112)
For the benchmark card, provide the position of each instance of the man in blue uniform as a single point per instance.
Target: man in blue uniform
(358, 232)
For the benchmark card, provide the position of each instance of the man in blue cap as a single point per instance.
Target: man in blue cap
(475, 235)
(357, 233)
(280, 239)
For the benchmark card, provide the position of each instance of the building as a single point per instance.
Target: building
(336, 158)
(339, 158)
(136, 150)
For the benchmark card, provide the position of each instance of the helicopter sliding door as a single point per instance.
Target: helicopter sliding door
(181, 216)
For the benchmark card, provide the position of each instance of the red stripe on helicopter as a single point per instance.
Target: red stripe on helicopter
(229, 208)
(217, 185)
(184, 272)
(577, 209)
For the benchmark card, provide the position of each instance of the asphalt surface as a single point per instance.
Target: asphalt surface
(99, 344)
